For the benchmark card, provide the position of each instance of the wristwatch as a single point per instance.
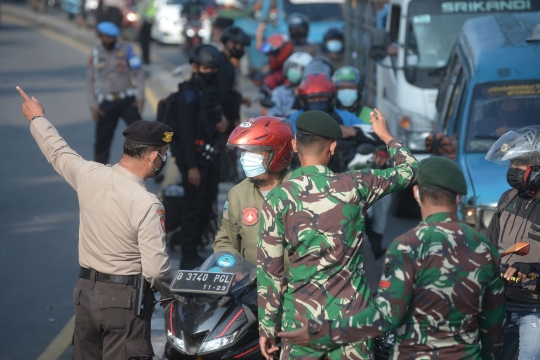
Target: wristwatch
(35, 117)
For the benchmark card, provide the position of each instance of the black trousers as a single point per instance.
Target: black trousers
(145, 39)
(112, 111)
(197, 207)
(105, 323)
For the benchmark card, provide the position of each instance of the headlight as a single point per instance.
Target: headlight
(176, 342)
(190, 32)
(212, 345)
(132, 17)
(469, 215)
(202, 32)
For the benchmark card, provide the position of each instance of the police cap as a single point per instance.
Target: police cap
(318, 123)
(438, 172)
(148, 133)
(108, 28)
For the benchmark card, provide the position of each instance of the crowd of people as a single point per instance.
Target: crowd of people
(301, 215)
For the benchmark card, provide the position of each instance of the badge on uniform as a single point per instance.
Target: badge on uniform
(250, 216)
(226, 210)
(161, 214)
(167, 136)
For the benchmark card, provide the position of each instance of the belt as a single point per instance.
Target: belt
(117, 95)
(84, 273)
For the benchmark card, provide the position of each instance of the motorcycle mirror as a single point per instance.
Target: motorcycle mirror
(519, 248)
(253, 275)
(365, 149)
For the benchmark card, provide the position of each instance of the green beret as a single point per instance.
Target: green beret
(148, 133)
(318, 123)
(438, 172)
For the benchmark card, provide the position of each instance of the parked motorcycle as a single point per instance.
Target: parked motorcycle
(214, 315)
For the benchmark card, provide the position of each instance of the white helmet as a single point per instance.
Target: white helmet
(298, 59)
(520, 146)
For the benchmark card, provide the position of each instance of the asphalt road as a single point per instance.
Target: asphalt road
(38, 210)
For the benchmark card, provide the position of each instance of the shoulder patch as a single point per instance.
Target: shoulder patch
(189, 96)
(161, 215)
(226, 210)
(250, 216)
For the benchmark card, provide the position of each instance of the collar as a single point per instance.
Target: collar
(129, 175)
(311, 170)
(442, 217)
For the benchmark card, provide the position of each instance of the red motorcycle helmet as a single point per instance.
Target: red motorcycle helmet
(278, 48)
(317, 85)
(265, 133)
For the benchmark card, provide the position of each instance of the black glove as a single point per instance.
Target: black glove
(526, 268)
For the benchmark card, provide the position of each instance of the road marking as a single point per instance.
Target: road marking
(60, 342)
(17, 21)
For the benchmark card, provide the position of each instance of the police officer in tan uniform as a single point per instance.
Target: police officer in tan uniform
(266, 142)
(112, 71)
(121, 235)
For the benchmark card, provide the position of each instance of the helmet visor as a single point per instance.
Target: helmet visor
(521, 147)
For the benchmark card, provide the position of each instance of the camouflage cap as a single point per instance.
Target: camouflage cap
(438, 172)
(318, 123)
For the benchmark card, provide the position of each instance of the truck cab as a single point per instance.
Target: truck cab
(422, 34)
(491, 86)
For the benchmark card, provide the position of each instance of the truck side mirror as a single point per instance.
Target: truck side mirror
(440, 144)
(380, 40)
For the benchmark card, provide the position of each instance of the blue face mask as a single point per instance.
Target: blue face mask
(252, 164)
(347, 97)
(334, 46)
(321, 105)
(294, 75)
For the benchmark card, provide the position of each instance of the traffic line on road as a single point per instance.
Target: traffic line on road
(60, 342)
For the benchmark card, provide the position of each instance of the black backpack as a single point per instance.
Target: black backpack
(165, 109)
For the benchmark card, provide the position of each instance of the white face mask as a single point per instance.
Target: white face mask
(252, 164)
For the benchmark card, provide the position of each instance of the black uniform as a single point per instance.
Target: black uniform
(199, 110)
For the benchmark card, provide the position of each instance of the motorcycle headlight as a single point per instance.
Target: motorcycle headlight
(177, 343)
(202, 32)
(214, 344)
(190, 32)
(132, 17)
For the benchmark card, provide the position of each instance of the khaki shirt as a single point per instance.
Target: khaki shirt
(239, 230)
(122, 225)
(113, 75)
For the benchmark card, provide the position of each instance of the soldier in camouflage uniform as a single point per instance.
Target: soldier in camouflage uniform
(440, 288)
(318, 218)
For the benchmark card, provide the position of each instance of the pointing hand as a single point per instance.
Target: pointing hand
(31, 107)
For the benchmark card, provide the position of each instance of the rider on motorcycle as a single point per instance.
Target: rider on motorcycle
(517, 219)
(277, 48)
(334, 46)
(298, 25)
(285, 96)
(266, 155)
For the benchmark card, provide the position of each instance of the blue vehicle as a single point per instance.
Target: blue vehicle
(491, 86)
(323, 15)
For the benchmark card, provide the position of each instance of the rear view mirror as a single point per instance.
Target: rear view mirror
(519, 248)
(440, 144)
(380, 40)
(365, 149)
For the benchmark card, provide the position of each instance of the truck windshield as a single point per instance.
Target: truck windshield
(433, 28)
(499, 107)
(314, 10)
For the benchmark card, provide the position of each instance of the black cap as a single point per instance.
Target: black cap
(207, 55)
(318, 123)
(148, 133)
(441, 173)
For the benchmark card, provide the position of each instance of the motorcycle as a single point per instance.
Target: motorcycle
(130, 22)
(214, 314)
(193, 34)
(384, 343)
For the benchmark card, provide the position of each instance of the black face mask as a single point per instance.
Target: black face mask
(209, 78)
(109, 46)
(516, 179)
(158, 170)
(237, 54)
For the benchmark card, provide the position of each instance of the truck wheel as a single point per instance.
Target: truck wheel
(404, 205)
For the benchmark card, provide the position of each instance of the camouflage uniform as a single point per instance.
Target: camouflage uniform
(440, 289)
(318, 217)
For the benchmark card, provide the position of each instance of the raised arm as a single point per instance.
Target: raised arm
(64, 160)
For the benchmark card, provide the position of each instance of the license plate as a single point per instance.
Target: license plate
(204, 282)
